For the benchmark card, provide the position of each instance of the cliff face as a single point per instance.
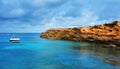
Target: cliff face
(109, 32)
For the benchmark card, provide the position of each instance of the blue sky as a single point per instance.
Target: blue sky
(39, 15)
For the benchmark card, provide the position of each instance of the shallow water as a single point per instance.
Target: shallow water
(37, 53)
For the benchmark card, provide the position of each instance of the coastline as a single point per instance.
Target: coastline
(107, 33)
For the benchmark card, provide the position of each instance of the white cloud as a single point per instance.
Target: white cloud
(17, 12)
(43, 2)
(88, 18)
(44, 14)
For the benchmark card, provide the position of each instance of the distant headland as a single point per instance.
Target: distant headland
(106, 33)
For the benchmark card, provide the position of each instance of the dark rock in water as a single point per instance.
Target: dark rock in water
(110, 45)
(106, 33)
(113, 61)
(114, 46)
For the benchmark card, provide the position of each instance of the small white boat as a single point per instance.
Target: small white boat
(14, 39)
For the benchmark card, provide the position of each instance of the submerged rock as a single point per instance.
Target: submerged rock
(107, 33)
(113, 61)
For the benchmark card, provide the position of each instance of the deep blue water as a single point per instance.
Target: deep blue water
(34, 52)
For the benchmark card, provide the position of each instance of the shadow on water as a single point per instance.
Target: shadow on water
(108, 55)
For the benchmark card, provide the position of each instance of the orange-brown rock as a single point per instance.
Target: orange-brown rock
(109, 32)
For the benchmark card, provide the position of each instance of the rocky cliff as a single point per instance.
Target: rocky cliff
(108, 33)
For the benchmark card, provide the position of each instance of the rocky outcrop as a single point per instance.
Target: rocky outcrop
(108, 33)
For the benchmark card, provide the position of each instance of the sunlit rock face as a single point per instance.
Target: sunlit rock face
(108, 33)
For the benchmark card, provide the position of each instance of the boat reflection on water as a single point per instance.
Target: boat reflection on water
(107, 55)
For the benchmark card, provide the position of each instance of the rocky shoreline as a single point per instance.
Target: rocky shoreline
(107, 33)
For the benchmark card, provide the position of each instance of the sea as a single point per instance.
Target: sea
(33, 52)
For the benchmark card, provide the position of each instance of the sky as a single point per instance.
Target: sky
(36, 16)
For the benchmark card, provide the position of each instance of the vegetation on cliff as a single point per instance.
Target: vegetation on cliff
(108, 33)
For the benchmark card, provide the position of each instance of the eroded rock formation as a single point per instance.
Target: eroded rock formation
(108, 33)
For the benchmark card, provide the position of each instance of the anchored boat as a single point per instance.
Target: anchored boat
(14, 39)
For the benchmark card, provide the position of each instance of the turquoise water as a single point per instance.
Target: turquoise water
(34, 52)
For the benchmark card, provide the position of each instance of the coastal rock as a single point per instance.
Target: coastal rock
(113, 61)
(107, 33)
